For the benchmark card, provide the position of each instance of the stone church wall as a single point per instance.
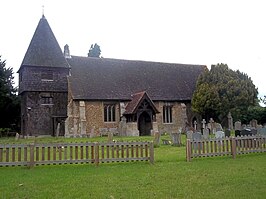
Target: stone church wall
(86, 119)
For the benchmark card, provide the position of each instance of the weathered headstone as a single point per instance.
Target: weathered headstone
(92, 134)
(253, 123)
(110, 136)
(259, 126)
(218, 127)
(230, 121)
(156, 139)
(17, 136)
(57, 129)
(114, 131)
(197, 137)
(227, 133)
(206, 134)
(195, 125)
(103, 131)
(176, 139)
(189, 134)
(211, 125)
(203, 124)
(219, 134)
(262, 131)
(238, 128)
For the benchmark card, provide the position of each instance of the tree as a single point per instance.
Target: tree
(95, 51)
(9, 101)
(222, 90)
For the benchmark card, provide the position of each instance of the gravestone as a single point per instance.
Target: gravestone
(227, 133)
(245, 132)
(218, 127)
(259, 126)
(17, 136)
(92, 134)
(219, 134)
(189, 134)
(211, 122)
(156, 139)
(195, 125)
(206, 134)
(103, 131)
(176, 139)
(196, 137)
(238, 126)
(253, 123)
(230, 121)
(110, 137)
(203, 124)
(114, 131)
(57, 129)
(262, 131)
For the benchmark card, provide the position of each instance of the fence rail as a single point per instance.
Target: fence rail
(68, 153)
(227, 146)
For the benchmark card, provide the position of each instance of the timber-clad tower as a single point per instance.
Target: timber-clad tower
(43, 84)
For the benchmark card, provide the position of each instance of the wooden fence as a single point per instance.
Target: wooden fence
(68, 153)
(226, 146)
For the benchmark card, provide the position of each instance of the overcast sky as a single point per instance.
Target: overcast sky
(189, 31)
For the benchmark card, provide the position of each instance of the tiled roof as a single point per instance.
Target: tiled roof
(137, 98)
(115, 79)
(44, 49)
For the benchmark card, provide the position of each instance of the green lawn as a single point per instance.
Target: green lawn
(170, 177)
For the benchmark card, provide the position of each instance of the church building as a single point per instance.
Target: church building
(77, 96)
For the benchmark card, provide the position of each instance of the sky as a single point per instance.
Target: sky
(176, 31)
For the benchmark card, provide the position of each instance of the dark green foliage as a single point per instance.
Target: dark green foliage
(9, 102)
(95, 51)
(222, 90)
(258, 113)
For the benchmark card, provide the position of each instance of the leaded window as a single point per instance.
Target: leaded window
(109, 113)
(167, 114)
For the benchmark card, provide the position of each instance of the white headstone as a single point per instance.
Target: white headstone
(219, 134)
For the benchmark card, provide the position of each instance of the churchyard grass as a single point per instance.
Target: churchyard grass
(170, 177)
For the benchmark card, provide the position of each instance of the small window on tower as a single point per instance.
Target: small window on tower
(47, 76)
(47, 101)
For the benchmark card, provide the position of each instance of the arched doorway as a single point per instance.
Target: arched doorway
(144, 124)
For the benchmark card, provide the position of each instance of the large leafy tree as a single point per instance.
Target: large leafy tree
(9, 101)
(95, 51)
(222, 90)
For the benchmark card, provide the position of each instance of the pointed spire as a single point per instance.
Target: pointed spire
(44, 49)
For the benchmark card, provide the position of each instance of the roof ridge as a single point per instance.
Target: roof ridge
(139, 61)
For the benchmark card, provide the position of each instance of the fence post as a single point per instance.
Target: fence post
(96, 151)
(31, 162)
(233, 147)
(188, 150)
(151, 153)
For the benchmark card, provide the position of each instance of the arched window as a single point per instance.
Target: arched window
(109, 113)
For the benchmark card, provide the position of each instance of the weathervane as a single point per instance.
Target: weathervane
(42, 10)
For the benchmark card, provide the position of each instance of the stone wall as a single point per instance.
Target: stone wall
(177, 118)
(89, 115)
